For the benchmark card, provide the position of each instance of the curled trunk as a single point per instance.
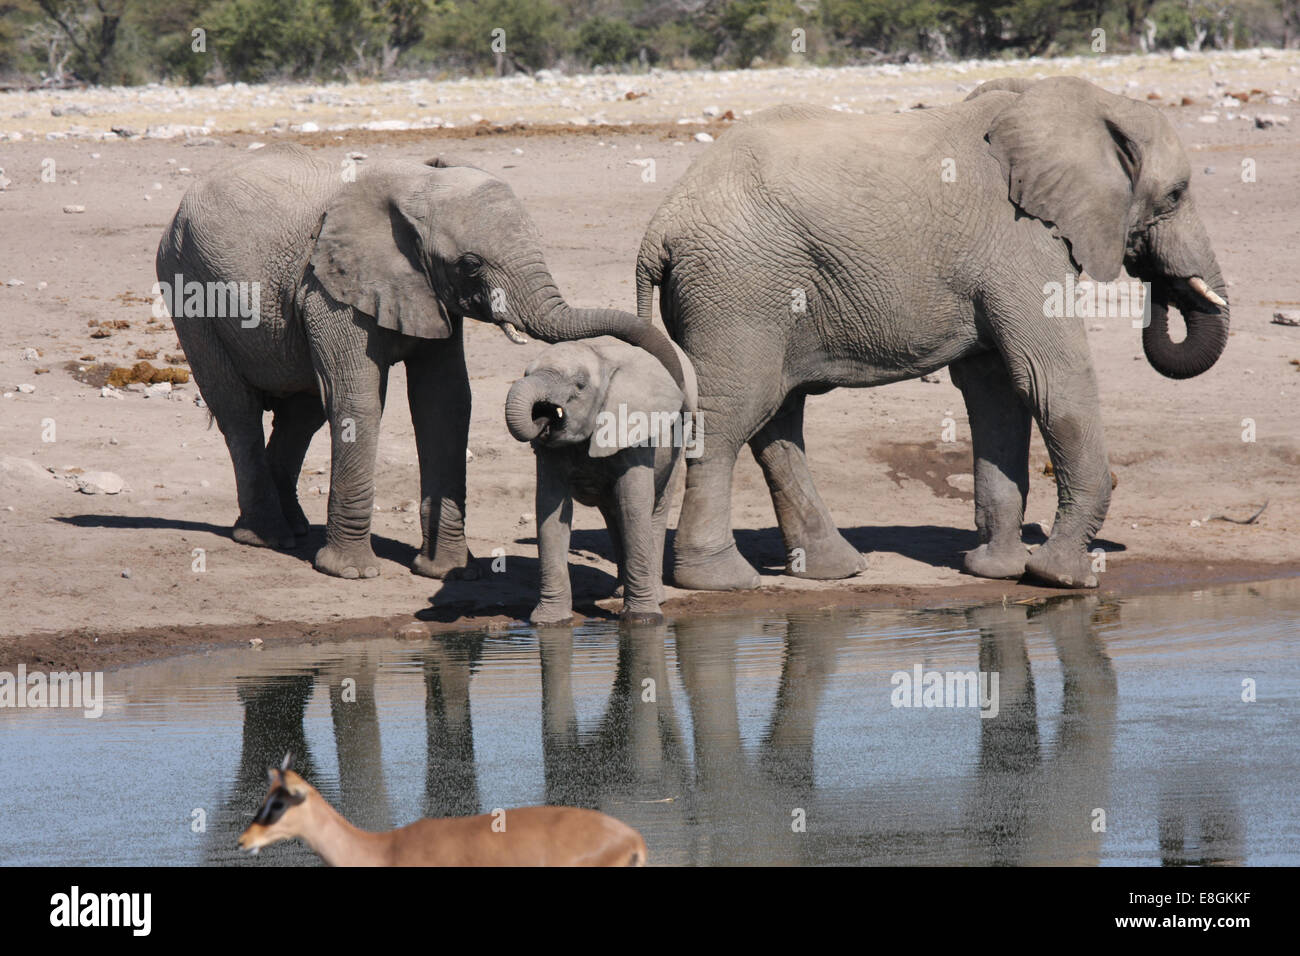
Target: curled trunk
(531, 404)
(1207, 330)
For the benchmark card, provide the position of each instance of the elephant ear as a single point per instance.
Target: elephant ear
(1071, 158)
(370, 250)
(638, 383)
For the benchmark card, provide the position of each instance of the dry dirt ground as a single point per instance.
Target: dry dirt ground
(66, 598)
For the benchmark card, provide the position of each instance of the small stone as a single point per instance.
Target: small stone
(469, 455)
(527, 518)
(126, 572)
(108, 391)
(1208, 118)
(26, 389)
(1286, 318)
(100, 483)
(1193, 523)
(113, 440)
(964, 483)
(1268, 120)
(74, 209)
(1209, 170)
(410, 505)
(703, 138)
(30, 355)
(931, 379)
(198, 400)
(205, 483)
(256, 145)
(15, 283)
(414, 631)
(255, 642)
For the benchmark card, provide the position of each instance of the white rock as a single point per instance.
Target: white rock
(26, 389)
(158, 389)
(31, 355)
(108, 391)
(15, 282)
(256, 145)
(1266, 120)
(703, 138)
(1208, 118)
(964, 482)
(469, 455)
(309, 127)
(100, 483)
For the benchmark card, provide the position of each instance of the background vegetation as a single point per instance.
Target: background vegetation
(138, 41)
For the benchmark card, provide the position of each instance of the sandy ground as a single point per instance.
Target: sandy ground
(1176, 447)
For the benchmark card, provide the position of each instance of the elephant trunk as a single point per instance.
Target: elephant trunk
(534, 404)
(1207, 327)
(1181, 267)
(557, 321)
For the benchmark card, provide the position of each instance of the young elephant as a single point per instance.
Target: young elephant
(608, 424)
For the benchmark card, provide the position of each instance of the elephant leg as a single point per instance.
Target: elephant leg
(609, 511)
(554, 505)
(1055, 378)
(634, 499)
(297, 418)
(814, 547)
(352, 381)
(237, 408)
(659, 528)
(999, 423)
(437, 385)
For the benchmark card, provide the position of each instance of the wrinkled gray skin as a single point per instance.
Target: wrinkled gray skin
(904, 274)
(557, 406)
(404, 253)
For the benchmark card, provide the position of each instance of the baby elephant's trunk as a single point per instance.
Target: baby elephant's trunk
(534, 403)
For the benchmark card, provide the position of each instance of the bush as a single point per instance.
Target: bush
(605, 42)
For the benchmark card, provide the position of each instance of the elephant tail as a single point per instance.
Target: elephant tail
(652, 266)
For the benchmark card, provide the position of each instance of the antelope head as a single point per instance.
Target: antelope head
(277, 818)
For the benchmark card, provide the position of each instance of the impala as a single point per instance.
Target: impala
(530, 836)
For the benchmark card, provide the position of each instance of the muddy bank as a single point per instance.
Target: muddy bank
(90, 649)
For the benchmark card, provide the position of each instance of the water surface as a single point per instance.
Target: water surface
(1121, 737)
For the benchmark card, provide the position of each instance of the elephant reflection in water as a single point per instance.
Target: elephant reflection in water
(1200, 824)
(1029, 807)
(274, 711)
(635, 763)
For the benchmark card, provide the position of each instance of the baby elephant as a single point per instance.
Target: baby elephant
(608, 424)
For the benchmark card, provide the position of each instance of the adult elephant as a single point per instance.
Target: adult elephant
(294, 285)
(810, 249)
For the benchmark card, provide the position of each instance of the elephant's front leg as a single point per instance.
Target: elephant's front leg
(437, 384)
(352, 385)
(814, 547)
(999, 424)
(1053, 375)
(554, 505)
(634, 502)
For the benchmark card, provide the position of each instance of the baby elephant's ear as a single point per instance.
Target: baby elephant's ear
(370, 251)
(639, 402)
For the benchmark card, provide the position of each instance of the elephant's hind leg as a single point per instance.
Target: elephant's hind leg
(297, 418)
(814, 547)
(999, 423)
(237, 408)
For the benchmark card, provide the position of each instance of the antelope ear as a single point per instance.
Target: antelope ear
(370, 249)
(287, 762)
(1070, 159)
(639, 387)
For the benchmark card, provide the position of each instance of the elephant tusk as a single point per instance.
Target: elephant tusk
(1199, 286)
(513, 334)
(559, 413)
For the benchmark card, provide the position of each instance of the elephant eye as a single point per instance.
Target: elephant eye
(1175, 195)
(470, 264)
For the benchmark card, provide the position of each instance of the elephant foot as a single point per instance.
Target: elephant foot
(724, 571)
(1003, 561)
(640, 616)
(353, 561)
(269, 532)
(829, 559)
(1061, 566)
(552, 614)
(462, 568)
